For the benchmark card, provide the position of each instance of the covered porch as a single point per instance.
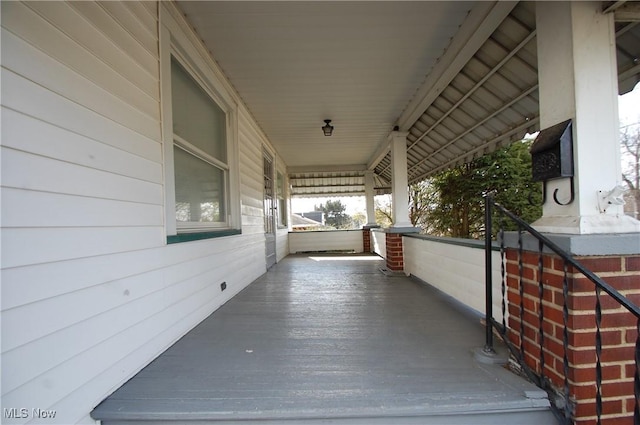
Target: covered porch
(323, 338)
(105, 271)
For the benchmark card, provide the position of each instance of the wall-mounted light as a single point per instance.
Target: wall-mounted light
(327, 129)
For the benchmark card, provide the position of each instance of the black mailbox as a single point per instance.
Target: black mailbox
(552, 153)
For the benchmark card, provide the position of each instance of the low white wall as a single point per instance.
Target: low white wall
(282, 243)
(379, 242)
(454, 266)
(331, 240)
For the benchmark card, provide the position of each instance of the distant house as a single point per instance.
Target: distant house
(300, 222)
(317, 216)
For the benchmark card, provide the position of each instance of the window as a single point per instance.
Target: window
(282, 201)
(199, 154)
(199, 138)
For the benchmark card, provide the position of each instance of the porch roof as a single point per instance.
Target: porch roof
(324, 337)
(460, 77)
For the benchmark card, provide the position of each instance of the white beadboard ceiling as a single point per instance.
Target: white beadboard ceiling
(460, 77)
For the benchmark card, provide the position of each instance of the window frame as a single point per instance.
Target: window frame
(281, 200)
(177, 41)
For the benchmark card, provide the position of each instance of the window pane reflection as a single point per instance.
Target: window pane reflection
(199, 189)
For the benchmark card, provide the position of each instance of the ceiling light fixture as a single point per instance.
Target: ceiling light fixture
(327, 129)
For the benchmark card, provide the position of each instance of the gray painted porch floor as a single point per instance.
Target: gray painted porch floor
(329, 339)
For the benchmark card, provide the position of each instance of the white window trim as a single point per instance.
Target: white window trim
(179, 41)
(284, 197)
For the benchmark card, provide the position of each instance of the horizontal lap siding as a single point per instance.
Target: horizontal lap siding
(251, 176)
(90, 290)
(252, 184)
(347, 240)
(459, 271)
(282, 243)
(379, 243)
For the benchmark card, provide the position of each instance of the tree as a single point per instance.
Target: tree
(335, 216)
(451, 203)
(358, 220)
(383, 211)
(422, 201)
(459, 207)
(630, 144)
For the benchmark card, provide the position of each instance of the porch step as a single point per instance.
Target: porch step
(530, 416)
(527, 405)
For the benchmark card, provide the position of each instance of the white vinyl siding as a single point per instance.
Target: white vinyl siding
(251, 176)
(456, 267)
(330, 240)
(91, 292)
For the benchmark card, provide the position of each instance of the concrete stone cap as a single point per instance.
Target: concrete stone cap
(594, 244)
(401, 230)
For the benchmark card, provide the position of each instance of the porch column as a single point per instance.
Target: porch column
(578, 80)
(400, 203)
(368, 195)
(399, 180)
(577, 73)
(371, 211)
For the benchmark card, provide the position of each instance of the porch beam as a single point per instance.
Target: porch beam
(508, 135)
(624, 11)
(481, 22)
(379, 155)
(612, 6)
(475, 88)
(327, 185)
(325, 194)
(630, 72)
(327, 169)
(477, 125)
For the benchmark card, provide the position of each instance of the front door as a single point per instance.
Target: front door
(269, 211)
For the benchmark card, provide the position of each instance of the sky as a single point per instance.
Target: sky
(628, 111)
(629, 107)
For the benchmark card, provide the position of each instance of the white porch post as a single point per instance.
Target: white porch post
(368, 195)
(399, 180)
(578, 80)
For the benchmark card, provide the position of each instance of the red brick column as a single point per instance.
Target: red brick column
(395, 256)
(618, 329)
(366, 239)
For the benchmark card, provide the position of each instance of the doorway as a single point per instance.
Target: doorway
(269, 211)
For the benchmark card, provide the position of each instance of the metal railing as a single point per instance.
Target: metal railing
(560, 394)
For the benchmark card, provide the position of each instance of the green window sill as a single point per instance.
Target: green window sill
(196, 236)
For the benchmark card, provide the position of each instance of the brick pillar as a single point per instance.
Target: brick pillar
(618, 329)
(395, 256)
(366, 239)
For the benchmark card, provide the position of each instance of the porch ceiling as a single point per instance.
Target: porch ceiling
(460, 77)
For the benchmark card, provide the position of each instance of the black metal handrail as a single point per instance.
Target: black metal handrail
(564, 409)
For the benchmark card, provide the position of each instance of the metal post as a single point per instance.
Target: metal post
(488, 209)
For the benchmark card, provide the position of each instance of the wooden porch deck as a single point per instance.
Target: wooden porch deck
(329, 339)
